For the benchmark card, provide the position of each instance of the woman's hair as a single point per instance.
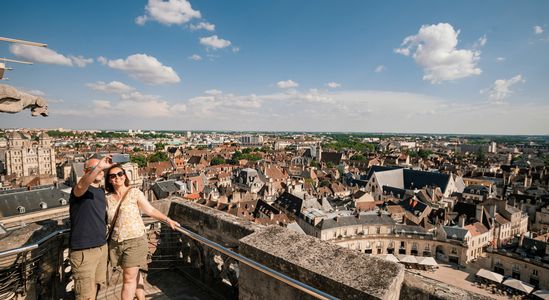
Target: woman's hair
(109, 188)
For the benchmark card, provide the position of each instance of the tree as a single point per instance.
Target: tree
(158, 156)
(137, 149)
(359, 157)
(424, 153)
(159, 146)
(139, 159)
(218, 160)
(481, 158)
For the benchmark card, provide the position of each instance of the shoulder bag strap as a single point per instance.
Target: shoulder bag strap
(115, 218)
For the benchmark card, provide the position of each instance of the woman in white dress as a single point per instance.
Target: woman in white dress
(128, 245)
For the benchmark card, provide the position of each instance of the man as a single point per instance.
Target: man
(88, 244)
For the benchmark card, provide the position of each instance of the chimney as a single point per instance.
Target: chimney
(492, 210)
(272, 216)
(479, 212)
(462, 221)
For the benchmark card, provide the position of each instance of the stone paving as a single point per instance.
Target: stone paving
(459, 278)
(159, 285)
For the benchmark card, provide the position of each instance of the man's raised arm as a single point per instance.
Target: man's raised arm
(93, 169)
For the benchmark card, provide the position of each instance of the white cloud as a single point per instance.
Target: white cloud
(102, 105)
(145, 68)
(38, 93)
(81, 61)
(287, 84)
(102, 60)
(380, 68)
(434, 49)
(48, 56)
(133, 105)
(481, 41)
(333, 84)
(195, 57)
(235, 49)
(213, 92)
(538, 29)
(202, 25)
(500, 59)
(214, 42)
(138, 97)
(501, 88)
(216, 104)
(168, 12)
(111, 87)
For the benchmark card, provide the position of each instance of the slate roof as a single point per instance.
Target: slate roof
(290, 203)
(412, 205)
(419, 179)
(476, 189)
(455, 232)
(534, 247)
(333, 157)
(411, 229)
(409, 179)
(263, 209)
(31, 200)
(363, 219)
(374, 169)
(468, 209)
(395, 192)
(194, 160)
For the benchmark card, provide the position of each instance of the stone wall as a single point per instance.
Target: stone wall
(340, 272)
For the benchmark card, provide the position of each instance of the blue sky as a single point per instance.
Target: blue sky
(399, 66)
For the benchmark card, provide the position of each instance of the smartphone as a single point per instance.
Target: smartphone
(120, 158)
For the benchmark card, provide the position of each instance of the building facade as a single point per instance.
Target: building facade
(28, 157)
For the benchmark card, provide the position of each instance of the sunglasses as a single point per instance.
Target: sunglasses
(119, 174)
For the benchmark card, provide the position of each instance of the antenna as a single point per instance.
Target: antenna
(9, 40)
(16, 61)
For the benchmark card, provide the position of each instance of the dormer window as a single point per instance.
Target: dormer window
(21, 209)
(43, 205)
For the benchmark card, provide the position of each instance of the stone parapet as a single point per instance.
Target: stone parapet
(340, 272)
(215, 225)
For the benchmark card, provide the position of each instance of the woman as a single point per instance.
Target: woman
(128, 243)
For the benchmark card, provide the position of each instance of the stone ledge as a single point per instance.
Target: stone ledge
(218, 226)
(341, 272)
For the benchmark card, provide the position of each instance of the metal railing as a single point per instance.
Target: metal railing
(33, 246)
(242, 259)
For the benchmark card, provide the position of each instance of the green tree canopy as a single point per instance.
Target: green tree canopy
(158, 156)
(139, 159)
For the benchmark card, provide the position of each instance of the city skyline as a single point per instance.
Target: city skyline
(471, 68)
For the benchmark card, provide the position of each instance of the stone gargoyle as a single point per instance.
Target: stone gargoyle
(13, 101)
